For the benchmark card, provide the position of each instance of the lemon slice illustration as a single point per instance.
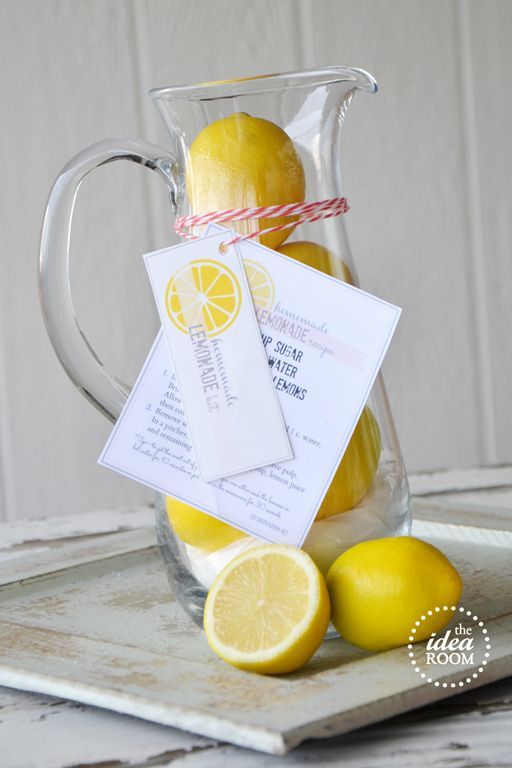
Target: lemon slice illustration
(203, 293)
(260, 283)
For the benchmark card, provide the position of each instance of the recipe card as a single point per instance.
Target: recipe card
(325, 342)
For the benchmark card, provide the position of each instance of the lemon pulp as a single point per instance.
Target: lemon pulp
(267, 610)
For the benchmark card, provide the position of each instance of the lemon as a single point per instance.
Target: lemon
(357, 469)
(242, 161)
(199, 529)
(380, 588)
(260, 283)
(203, 292)
(319, 257)
(268, 610)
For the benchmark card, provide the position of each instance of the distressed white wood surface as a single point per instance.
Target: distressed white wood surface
(44, 732)
(45, 531)
(427, 162)
(467, 730)
(109, 633)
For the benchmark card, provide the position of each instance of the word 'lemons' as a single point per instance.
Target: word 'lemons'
(380, 588)
(199, 529)
(243, 162)
(268, 610)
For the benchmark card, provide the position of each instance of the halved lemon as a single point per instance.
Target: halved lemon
(260, 283)
(203, 293)
(268, 610)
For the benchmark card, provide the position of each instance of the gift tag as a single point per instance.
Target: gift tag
(205, 305)
(325, 341)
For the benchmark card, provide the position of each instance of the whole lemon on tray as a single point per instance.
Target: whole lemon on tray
(380, 588)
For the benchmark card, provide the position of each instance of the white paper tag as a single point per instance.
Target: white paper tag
(325, 342)
(232, 411)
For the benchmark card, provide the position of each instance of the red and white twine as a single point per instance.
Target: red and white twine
(302, 212)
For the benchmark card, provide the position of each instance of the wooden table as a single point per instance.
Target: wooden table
(472, 729)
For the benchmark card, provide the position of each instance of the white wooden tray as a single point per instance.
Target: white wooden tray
(95, 621)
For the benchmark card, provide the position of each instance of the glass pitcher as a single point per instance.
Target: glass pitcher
(241, 143)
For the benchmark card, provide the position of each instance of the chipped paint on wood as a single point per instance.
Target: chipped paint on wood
(58, 557)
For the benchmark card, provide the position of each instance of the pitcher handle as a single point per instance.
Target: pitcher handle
(75, 353)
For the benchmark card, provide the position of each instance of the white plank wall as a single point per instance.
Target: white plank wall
(428, 169)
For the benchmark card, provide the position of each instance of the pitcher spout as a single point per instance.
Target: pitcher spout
(364, 80)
